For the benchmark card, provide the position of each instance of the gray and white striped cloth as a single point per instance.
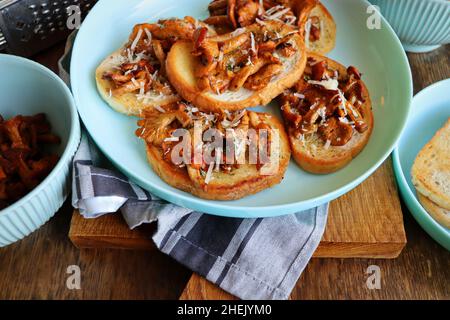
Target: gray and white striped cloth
(249, 258)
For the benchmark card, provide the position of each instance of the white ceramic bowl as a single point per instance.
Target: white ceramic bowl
(29, 88)
(422, 25)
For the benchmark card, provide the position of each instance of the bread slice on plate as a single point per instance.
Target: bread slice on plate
(442, 216)
(245, 68)
(133, 78)
(431, 170)
(316, 24)
(328, 115)
(214, 173)
(310, 16)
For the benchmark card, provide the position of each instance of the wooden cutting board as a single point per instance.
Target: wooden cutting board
(365, 223)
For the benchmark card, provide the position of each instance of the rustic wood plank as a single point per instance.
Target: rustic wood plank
(109, 231)
(366, 222)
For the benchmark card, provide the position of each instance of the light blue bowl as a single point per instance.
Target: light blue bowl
(422, 25)
(430, 111)
(29, 88)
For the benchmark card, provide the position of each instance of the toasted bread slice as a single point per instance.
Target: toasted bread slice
(227, 181)
(327, 28)
(127, 103)
(132, 79)
(310, 148)
(442, 216)
(181, 66)
(431, 169)
(247, 179)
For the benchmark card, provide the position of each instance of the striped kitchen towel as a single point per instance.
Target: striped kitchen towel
(249, 258)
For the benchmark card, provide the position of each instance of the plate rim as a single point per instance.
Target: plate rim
(221, 208)
(431, 226)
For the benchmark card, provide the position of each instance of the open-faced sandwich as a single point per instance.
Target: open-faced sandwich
(133, 78)
(310, 16)
(328, 115)
(247, 67)
(219, 156)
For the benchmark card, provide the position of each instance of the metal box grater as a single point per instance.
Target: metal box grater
(29, 26)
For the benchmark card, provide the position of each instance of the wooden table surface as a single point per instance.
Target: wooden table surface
(36, 267)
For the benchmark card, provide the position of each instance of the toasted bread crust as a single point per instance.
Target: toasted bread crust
(180, 66)
(327, 41)
(128, 103)
(336, 157)
(431, 168)
(439, 214)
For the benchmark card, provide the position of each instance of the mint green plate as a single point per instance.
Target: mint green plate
(430, 111)
(377, 53)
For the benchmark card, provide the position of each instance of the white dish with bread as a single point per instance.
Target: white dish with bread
(220, 65)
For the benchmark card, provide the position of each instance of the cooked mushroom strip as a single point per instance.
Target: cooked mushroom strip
(155, 127)
(268, 46)
(314, 33)
(204, 83)
(291, 115)
(355, 116)
(313, 114)
(247, 11)
(218, 20)
(118, 78)
(287, 49)
(302, 10)
(173, 28)
(159, 52)
(335, 131)
(220, 83)
(231, 12)
(234, 43)
(130, 86)
(217, 4)
(243, 74)
(262, 78)
(207, 50)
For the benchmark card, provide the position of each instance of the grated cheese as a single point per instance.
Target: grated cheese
(299, 95)
(327, 145)
(307, 32)
(237, 32)
(252, 37)
(261, 8)
(136, 40)
(260, 22)
(274, 9)
(149, 35)
(208, 177)
(172, 139)
(134, 81)
(278, 14)
(329, 84)
(218, 158)
(159, 108)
